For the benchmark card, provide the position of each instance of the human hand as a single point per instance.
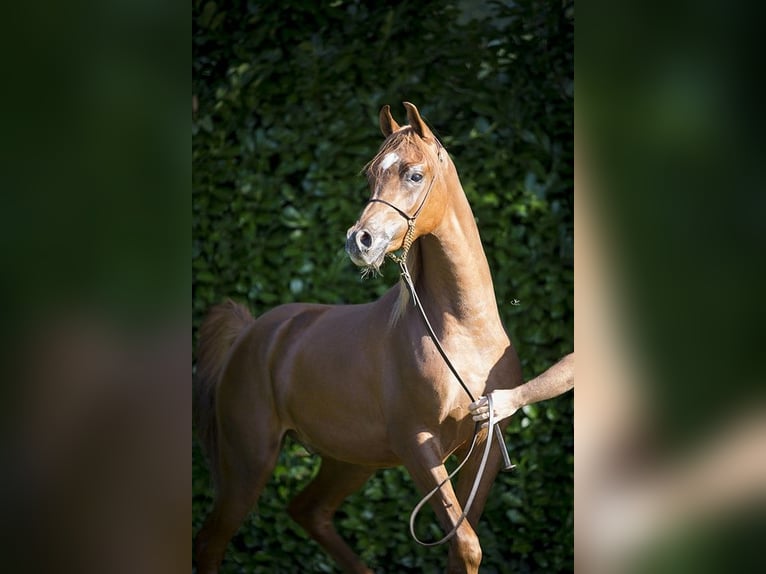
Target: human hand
(479, 409)
(503, 406)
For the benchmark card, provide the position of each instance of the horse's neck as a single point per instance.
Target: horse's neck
(453, 268)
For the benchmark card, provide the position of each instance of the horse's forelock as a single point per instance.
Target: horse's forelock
(407, 144)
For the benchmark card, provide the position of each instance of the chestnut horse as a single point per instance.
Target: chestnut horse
(363, 385)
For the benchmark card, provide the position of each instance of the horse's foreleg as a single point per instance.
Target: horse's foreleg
(467, 477)
(315, 506)
(425, 466)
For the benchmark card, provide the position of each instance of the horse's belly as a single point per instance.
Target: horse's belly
(356, 444)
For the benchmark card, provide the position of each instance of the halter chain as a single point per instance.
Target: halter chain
(406, 244)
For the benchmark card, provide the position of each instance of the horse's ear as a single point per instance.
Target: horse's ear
(417, 123)
(387, 123)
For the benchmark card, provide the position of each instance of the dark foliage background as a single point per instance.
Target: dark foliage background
(286, 97)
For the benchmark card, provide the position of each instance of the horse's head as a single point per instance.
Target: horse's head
(405, 184)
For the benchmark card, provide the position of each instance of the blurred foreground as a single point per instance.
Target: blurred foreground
(654, 495)
(670, 417)
(99, 475)
(94, 251)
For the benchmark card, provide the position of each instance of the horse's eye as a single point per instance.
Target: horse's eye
(416, 177)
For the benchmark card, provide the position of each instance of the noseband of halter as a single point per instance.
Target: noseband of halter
(409, 237)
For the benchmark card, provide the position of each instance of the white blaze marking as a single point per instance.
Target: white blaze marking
(388, 161)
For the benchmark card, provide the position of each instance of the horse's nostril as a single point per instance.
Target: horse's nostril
(364, 240)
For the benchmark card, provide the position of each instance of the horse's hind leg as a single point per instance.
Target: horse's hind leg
(315, 506)
(245, 466)
(236, 497)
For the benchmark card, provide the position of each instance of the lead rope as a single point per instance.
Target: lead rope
(491, 423)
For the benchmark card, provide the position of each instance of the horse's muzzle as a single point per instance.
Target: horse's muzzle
(364, 248)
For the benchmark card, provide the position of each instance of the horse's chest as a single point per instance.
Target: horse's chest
(464, 355)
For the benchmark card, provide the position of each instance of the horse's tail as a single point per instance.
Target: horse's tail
(221, 327)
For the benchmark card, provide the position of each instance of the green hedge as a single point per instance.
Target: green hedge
(286, 101)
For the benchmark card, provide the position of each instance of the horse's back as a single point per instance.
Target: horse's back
(271, 339)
